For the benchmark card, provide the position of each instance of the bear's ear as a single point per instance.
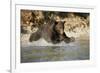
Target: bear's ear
(64, 22)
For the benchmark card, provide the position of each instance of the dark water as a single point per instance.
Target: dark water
(78, 50)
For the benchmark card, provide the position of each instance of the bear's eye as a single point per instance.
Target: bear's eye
(59, 27)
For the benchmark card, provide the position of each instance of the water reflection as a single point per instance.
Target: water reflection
(78, 50)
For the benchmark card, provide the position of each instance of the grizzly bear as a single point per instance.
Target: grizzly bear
(52, 31)
(58, 33)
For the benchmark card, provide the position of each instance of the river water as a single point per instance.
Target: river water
(78, 50)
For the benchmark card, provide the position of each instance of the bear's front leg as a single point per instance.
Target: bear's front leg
(68, 39)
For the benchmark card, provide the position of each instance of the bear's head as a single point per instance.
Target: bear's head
(58, 32)
(59, 27)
